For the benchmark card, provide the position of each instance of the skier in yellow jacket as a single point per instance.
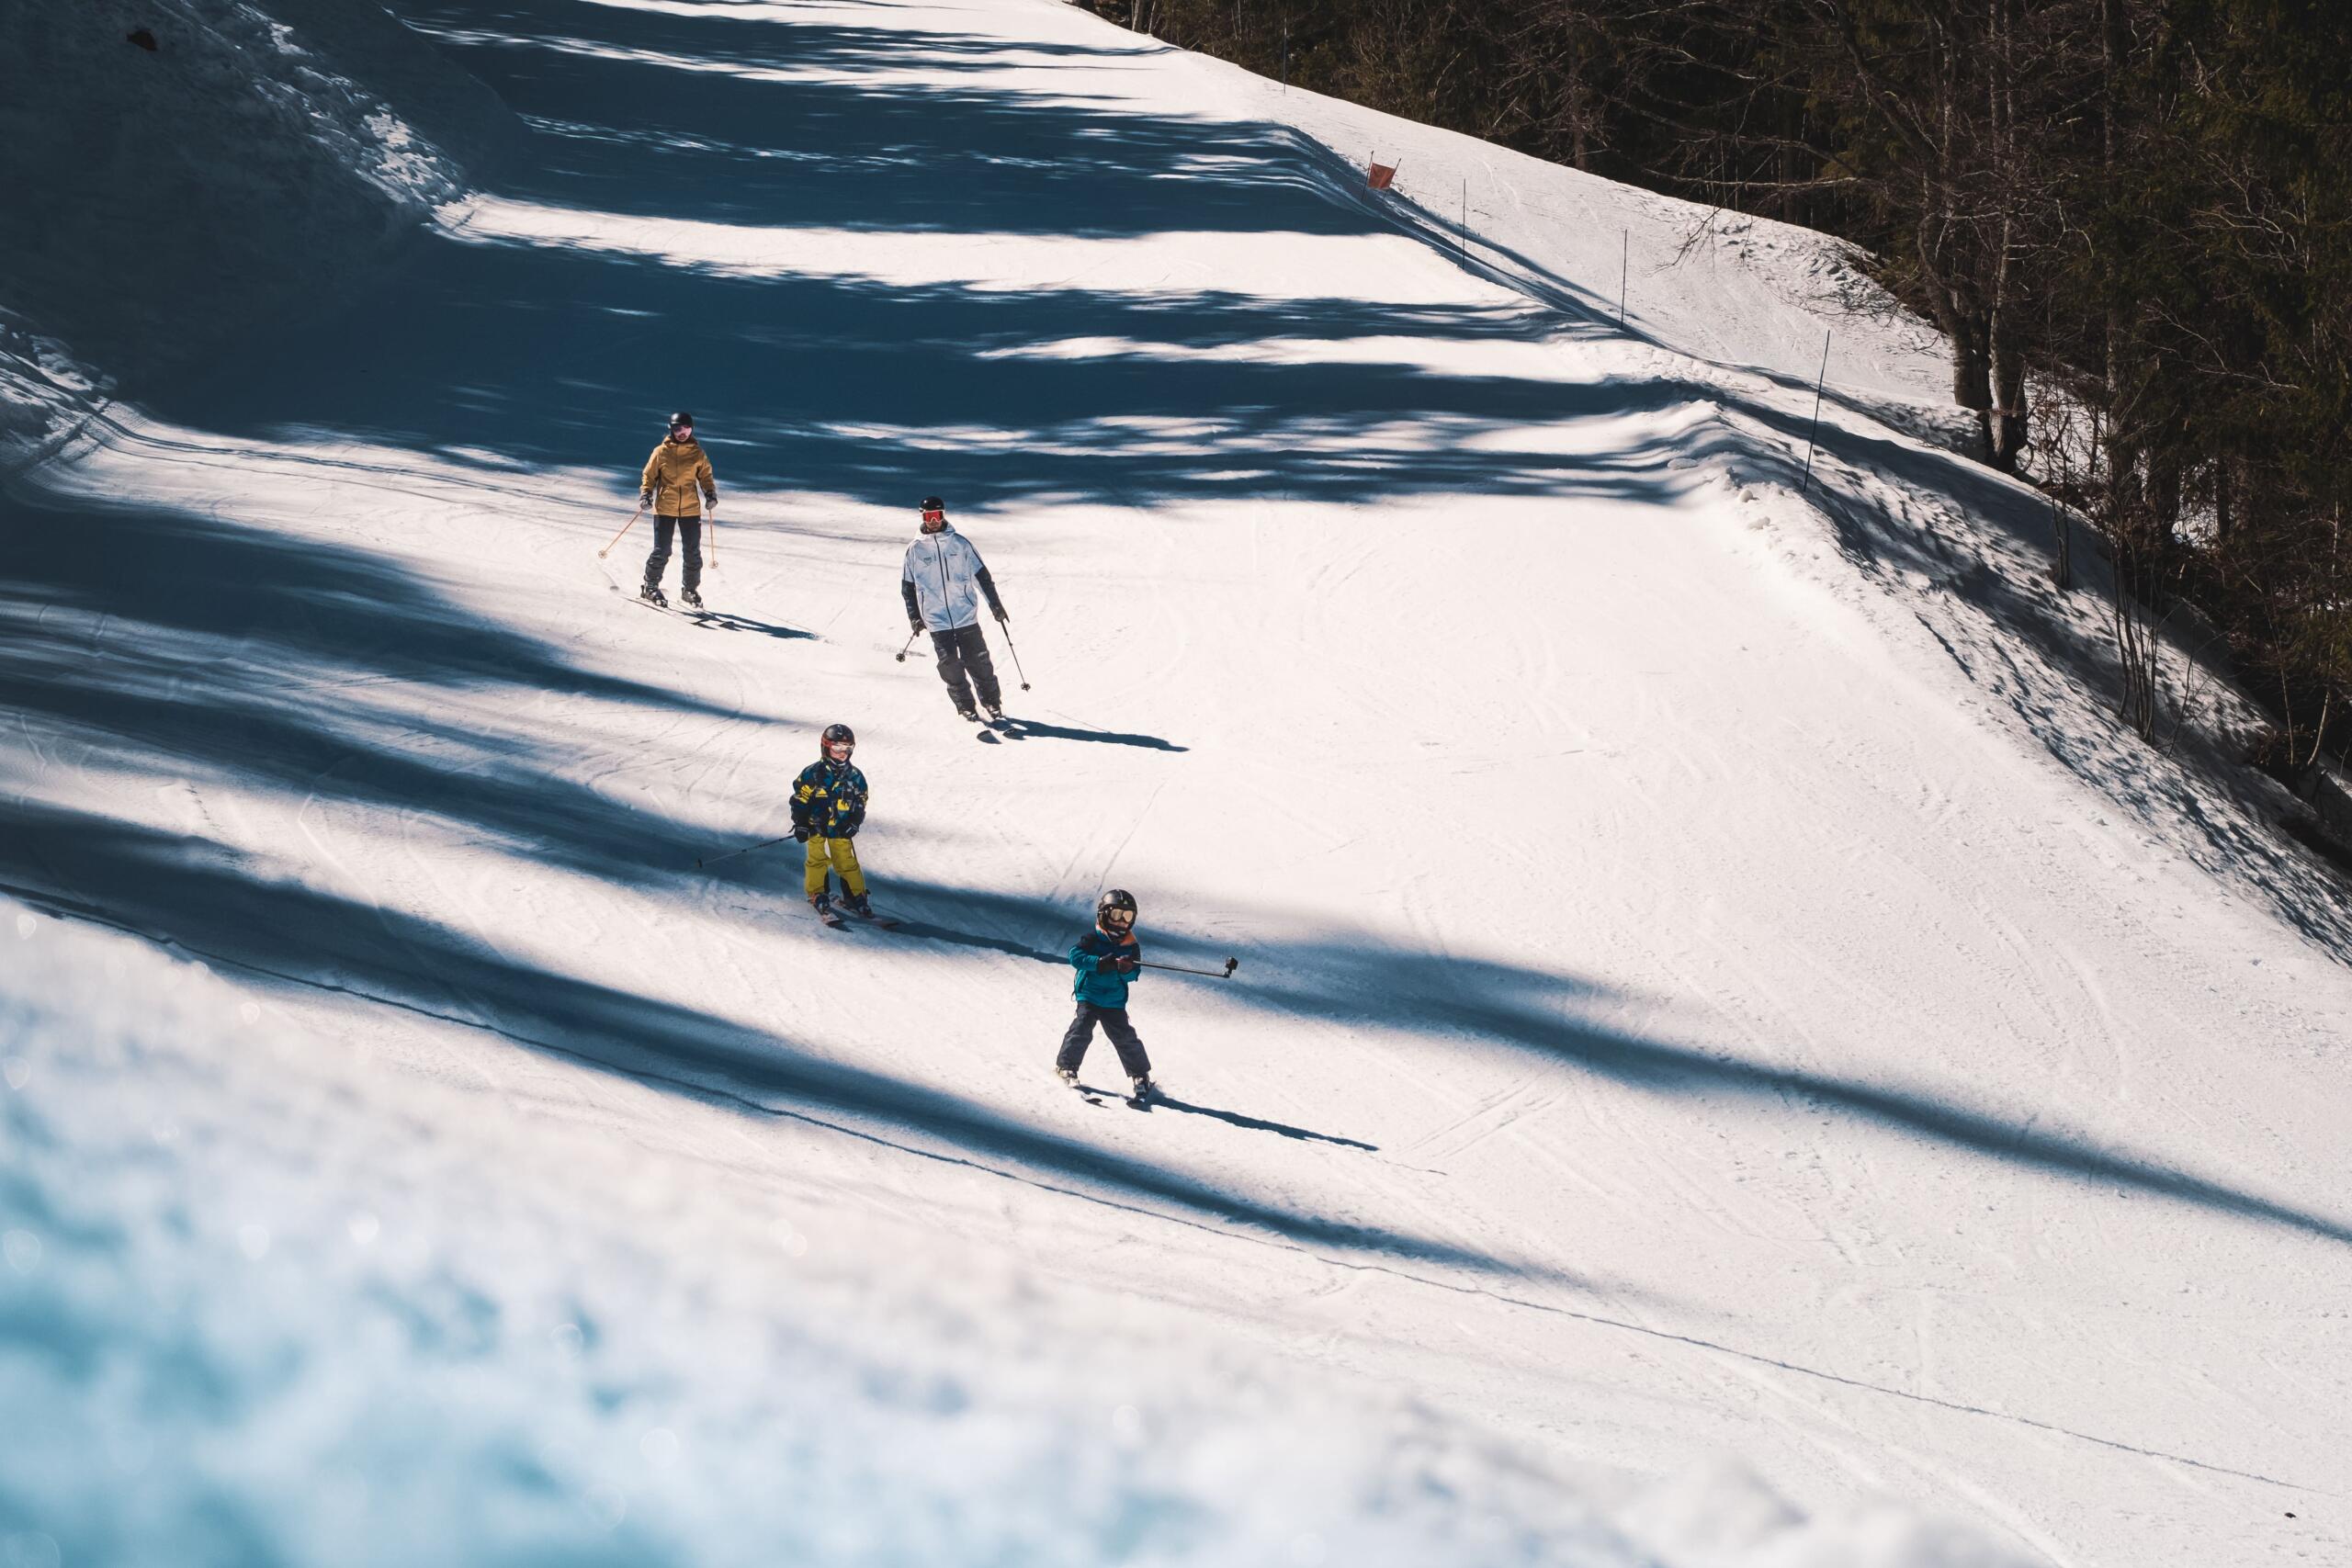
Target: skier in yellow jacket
(676, 484)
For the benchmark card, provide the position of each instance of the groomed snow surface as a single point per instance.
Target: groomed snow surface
(1735, 1061)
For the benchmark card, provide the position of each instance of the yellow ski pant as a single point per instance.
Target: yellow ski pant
(836, 854)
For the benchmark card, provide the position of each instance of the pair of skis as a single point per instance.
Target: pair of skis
(1093, 1096)
(1002, 726)
(835, 920)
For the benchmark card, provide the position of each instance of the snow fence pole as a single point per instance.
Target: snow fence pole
(1003, 625)
(1819, 382)
(1224, 973)
(625, 528)
(747, 849)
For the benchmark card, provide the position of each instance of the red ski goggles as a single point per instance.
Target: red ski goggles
(935, 514)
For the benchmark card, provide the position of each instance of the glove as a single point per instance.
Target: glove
(1106, 965)
(645, 498)
(801, 830)
(1001, 616)
(1126, 966)
(914, 628)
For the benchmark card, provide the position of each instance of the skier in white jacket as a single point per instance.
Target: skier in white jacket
(942, 585)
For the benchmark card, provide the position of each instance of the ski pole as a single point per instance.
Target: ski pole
(713, 515)
(625, 528)
(747, 849)
(1006, 627)
(1224, 973)
(910, 642)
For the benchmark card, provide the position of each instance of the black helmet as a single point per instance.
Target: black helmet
(1117, 901)
(837, 734)
(681, 420)
(933, 504)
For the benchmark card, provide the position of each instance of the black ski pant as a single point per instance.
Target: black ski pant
(659, 561)
(965, 652)
(1114, 1023)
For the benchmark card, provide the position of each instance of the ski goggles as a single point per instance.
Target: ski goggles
(839, 750)
(935, 514)
(1121, 919)
(680, 432)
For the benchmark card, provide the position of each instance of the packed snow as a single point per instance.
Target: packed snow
(1734, 1059)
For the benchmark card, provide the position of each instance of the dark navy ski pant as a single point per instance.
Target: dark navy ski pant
(1114, 1023)
(965, 651)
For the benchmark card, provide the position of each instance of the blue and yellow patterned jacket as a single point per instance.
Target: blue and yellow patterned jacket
(829, 799)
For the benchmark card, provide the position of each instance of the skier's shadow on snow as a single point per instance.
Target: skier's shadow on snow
(1030, 726)
(726, 620)
(1166, 1101)
(972, 939)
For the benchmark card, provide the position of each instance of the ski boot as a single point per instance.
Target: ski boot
(973, 714)
(1142, 1088)
(1067, 1076)
(823, 904)
(856, 905)
(995, 712)
(691, 598)
(652, 594)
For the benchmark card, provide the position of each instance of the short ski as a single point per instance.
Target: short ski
(1094, 1096)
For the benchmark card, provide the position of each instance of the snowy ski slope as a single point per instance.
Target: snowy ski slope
(1733, 1060)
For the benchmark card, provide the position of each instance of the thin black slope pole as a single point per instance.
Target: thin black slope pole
(1007, 632)
(747, 849)
(1224, 973)
(1820, 381)
(1625, 266)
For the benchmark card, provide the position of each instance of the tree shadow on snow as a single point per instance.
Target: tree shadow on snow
(1358, 982)
(240, 662)
(208, 904)
(563, 350)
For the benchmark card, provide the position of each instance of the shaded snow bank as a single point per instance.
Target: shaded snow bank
(162, 200)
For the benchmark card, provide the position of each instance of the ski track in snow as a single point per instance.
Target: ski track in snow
(1713, 982)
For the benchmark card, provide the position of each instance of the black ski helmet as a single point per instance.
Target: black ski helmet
(681, 420)
(933, 504)
(836, 735)
(1117, 901)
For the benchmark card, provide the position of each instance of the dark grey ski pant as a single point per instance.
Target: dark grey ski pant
(1114, 1023)
(659, 561)
(962, 652)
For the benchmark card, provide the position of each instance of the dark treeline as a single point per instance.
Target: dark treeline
(2132, 218)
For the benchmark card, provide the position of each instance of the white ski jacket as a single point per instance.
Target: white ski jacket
(943, 579)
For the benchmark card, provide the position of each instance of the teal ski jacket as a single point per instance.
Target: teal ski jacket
(1093, 986)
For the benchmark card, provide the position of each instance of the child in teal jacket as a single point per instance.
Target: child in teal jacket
(1107, 960)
